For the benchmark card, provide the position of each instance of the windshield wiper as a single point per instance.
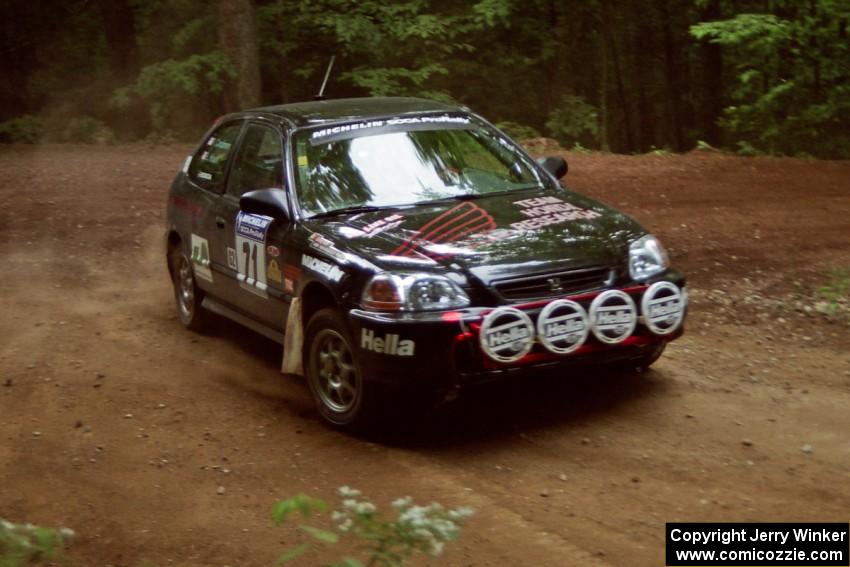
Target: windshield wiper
(352, 209)
(473, 196)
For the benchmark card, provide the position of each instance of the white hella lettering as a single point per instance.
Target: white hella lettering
(390, 344)
(555, 329)
(618, 318)
(656, 311)
(517, 332)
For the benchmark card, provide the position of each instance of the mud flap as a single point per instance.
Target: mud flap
(293, 341)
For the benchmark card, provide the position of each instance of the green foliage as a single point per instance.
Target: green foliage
(86, 130)
(56, 126)
(26, 129)
(792, 93)
(397, 48)
(836, 292)
(23, 544)
(177, 91)
(517, 131)
(384, 541)
(574, 121)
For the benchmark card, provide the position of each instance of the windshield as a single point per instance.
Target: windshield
(394, 166)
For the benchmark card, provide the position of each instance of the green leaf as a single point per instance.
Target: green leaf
(293, 553)
(321, 535)
(298, 503)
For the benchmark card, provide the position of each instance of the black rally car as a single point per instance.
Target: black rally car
(401, 247)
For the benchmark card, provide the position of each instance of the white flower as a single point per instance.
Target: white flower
(461, 513)
(365, 508)
(350, 504)
(337, 516)
(67, 533)
(436, 548)
(346, 525)
(416, 516)
(402, 503)
(348, 492)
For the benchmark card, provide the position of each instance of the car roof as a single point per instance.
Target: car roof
(347, 109)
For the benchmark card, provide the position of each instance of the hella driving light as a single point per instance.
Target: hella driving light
(663, 307)
(647, 258)
(414, 292)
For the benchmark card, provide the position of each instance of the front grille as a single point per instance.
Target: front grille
(557, 284)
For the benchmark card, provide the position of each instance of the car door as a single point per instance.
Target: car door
(252, 244)
(206, 180)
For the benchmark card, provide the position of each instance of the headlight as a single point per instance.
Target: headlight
(412, 292)
(647, 257)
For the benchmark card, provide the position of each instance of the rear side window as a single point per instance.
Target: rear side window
(259, 161)
(208, 166)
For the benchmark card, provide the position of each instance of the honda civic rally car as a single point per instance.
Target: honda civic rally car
(402, 249)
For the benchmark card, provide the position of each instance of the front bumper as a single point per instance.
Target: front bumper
(441, 351)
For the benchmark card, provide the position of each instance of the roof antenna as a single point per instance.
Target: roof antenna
(321, 95)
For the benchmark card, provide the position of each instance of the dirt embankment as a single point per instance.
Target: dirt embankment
(156, 444)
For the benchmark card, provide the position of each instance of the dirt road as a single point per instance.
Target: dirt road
(157, 444)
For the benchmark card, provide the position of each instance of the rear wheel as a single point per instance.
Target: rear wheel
(339, 390)
(186, 293)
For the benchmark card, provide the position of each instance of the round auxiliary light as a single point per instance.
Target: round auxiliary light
(563, 326)
(507, 334)
(613, 316)
(663, 307)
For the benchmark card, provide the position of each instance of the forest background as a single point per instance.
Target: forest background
(633, 76)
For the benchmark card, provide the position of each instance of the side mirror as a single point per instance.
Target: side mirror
(555, 165)
(268, 202)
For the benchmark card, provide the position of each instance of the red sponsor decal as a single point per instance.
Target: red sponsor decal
(456, 223)
(291, 272)
(185, 205)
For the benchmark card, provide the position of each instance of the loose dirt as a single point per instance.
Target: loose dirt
(156, 444)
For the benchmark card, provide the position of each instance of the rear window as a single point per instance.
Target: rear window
(209, 164)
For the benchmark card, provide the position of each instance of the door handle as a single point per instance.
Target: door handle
(220, 222)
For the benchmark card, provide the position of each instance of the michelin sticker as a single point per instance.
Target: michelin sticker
(321, 267)
(201, 258)
(251, 251)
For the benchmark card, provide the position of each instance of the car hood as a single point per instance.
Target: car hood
(491, 237)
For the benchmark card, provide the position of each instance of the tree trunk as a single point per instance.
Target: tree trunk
(712, 80)
(603, 97)
(237, 37)
(608, 23)
(119, 28)
(674, 91)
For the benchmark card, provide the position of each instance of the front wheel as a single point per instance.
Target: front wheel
(342, 396)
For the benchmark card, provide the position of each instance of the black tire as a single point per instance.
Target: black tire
(187, 296)
(342, 395)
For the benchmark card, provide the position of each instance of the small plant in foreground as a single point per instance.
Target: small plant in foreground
(22, 544)
(383, 541)
(836, 292)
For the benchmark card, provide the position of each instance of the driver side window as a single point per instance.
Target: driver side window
(258, 163)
